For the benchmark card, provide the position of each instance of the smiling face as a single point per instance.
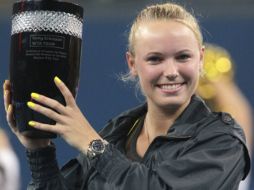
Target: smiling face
(167, 61)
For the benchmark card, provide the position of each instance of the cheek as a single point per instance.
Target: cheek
(191, 72)
(148, 73)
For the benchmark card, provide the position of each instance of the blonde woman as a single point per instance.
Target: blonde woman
(173, 141)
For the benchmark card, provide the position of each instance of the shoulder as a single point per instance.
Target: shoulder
(222, 131)
(223, 123)
(220, 123)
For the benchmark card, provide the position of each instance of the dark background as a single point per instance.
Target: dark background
(102, 95)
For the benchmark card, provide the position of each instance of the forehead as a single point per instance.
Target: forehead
(165, 33)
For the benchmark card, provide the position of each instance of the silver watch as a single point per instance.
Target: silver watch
(96, 148)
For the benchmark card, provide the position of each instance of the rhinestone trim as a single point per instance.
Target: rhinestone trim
(52, 21)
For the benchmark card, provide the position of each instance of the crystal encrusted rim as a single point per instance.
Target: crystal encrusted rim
(52, 21)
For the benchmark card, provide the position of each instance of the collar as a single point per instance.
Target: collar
(182, 128)
(187, 123)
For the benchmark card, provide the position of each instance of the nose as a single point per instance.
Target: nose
(171, 70)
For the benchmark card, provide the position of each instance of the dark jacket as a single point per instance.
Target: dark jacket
(202, 151)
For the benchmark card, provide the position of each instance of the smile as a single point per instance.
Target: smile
(170, 87)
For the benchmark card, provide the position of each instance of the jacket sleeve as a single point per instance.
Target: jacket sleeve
(208, 163)
(46, 174)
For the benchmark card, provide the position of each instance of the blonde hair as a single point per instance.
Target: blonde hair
(166, 11)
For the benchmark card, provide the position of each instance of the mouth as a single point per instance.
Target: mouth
(170, 88)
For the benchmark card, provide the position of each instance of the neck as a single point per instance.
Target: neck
(158, 120)
(157, 125)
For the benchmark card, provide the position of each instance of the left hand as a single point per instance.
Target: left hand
(71, 124)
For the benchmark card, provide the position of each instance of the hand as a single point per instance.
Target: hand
(26, 141)
(71, 124)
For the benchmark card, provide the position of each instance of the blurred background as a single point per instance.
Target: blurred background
(226, 23)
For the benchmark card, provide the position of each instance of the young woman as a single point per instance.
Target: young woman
(173, 141)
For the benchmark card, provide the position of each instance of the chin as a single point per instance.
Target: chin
(174, 103)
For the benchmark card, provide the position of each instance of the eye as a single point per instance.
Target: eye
(154, 59)
(183, 57)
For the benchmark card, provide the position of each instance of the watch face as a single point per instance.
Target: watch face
(97, 146)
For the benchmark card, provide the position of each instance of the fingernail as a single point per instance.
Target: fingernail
(35, 95)
(9, 108)
(30, 104)
(57, 80)
(31, 123)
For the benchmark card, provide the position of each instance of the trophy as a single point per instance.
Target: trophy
(46, 37)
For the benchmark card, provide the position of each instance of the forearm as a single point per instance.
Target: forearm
(44, 169)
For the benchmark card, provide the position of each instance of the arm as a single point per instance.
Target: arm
(47, 176)
(41, 155)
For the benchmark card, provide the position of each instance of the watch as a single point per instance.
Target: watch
(96, 148)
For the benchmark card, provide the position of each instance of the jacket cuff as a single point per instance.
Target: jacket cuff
(42, 162)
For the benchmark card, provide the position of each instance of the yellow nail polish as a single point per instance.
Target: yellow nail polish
(30, 104)
(57, 80)
(31, 123)
(35, 95)
(9, 108)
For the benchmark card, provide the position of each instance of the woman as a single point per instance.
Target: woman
(172, 142)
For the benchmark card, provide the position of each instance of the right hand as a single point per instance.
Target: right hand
(27, 142)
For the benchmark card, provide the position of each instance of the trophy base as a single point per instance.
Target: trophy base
(37, 134)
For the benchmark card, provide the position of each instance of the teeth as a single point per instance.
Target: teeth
(170, 86)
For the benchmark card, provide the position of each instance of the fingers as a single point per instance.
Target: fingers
(69, 99)
(54, 104)
(6, 85)
(6, 91)
(10, 120)
(45, 127)
(45, 111)
(6, 100)
(52, 108)
(7, 105)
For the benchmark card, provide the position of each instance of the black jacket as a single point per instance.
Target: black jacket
(202, 151)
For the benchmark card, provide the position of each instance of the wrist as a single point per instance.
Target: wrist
(38, 145)
(42, 162)
(96, 148)
(48, 146)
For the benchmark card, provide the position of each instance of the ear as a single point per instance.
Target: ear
(131, 63)
(201, 59)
